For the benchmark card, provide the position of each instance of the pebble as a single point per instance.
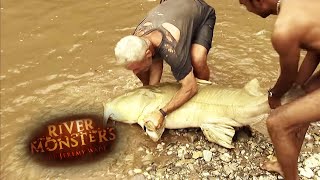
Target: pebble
(306, 172)
(205, 160)
(225, 157)
(159, 146)
(197, 154)
(137, 171)
(207, 155)
(205, 174)
(313, 161)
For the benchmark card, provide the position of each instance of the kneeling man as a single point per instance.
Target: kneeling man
(178, 32)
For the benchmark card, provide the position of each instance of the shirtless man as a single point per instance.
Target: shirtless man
(180, 33)
(297, 27)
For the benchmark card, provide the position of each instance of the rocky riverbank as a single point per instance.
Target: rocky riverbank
(186, 154)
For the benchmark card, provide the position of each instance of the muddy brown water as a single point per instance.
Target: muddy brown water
(57, 59)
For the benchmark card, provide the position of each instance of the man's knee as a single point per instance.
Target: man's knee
(198, 54)
(275, 123)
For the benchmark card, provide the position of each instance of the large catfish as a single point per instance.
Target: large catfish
(215, 109)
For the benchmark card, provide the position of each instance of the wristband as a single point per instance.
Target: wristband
(164, 114)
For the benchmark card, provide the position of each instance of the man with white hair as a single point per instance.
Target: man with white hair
(180, 33)
(297, 27)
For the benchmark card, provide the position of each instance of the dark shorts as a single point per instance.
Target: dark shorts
(205, 33)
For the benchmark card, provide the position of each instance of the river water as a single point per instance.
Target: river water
(57, 59)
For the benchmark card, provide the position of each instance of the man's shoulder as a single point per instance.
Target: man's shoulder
(288, 27)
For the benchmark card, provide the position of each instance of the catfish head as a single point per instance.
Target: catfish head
(129, 107)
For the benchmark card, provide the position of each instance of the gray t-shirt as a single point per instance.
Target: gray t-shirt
(188, 16)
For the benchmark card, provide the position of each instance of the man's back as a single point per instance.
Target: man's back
(302, 20)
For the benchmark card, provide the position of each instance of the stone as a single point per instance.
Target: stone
(227, 169)
(205, 174)
(207, 155)
(181, 152)
(313, 161)
(137, 171)
(225, 157)
(306, 172)
(197, 154)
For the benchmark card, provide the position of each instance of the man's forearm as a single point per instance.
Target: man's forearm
(288, 75)
(283, 84)
(307, 68)
(156, 72)
(182, 96)
(144, 77)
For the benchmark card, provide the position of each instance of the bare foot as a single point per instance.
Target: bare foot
(272, 165)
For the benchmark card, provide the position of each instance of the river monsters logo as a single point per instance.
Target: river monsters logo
(72, 139)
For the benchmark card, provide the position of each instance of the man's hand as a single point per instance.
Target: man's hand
(274, 102)
(154, 120)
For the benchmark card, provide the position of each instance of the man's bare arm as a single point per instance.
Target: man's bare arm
(287, 46)
(156, 70)
(188, 89)
(307, 67)
(144, 77)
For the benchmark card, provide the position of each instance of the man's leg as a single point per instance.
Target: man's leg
(201, 45)
(199, 61)
(312, 84)
(286, 123)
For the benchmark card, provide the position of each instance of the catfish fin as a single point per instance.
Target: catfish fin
(219, 133)
(253, 87)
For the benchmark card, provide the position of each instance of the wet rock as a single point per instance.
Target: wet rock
(225, 157)
(197, 154)
(159, 147)
(176, 176)
(215, 173)
(313, 161)
(213, 150)
(309, 145)
(227, 170)
(137, 171)
(187, 156)
(306, 172)
(222, 150)
(179, 163)
(148, 159)
(181, 152)
(130, 172)
(308, 137)
(207, 155)
(190, 166)
(149, 168)
(129, 157)
(205, 174)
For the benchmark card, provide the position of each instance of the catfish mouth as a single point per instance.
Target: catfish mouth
(154, 134)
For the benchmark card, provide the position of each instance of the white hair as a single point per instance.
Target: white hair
(130, 48)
